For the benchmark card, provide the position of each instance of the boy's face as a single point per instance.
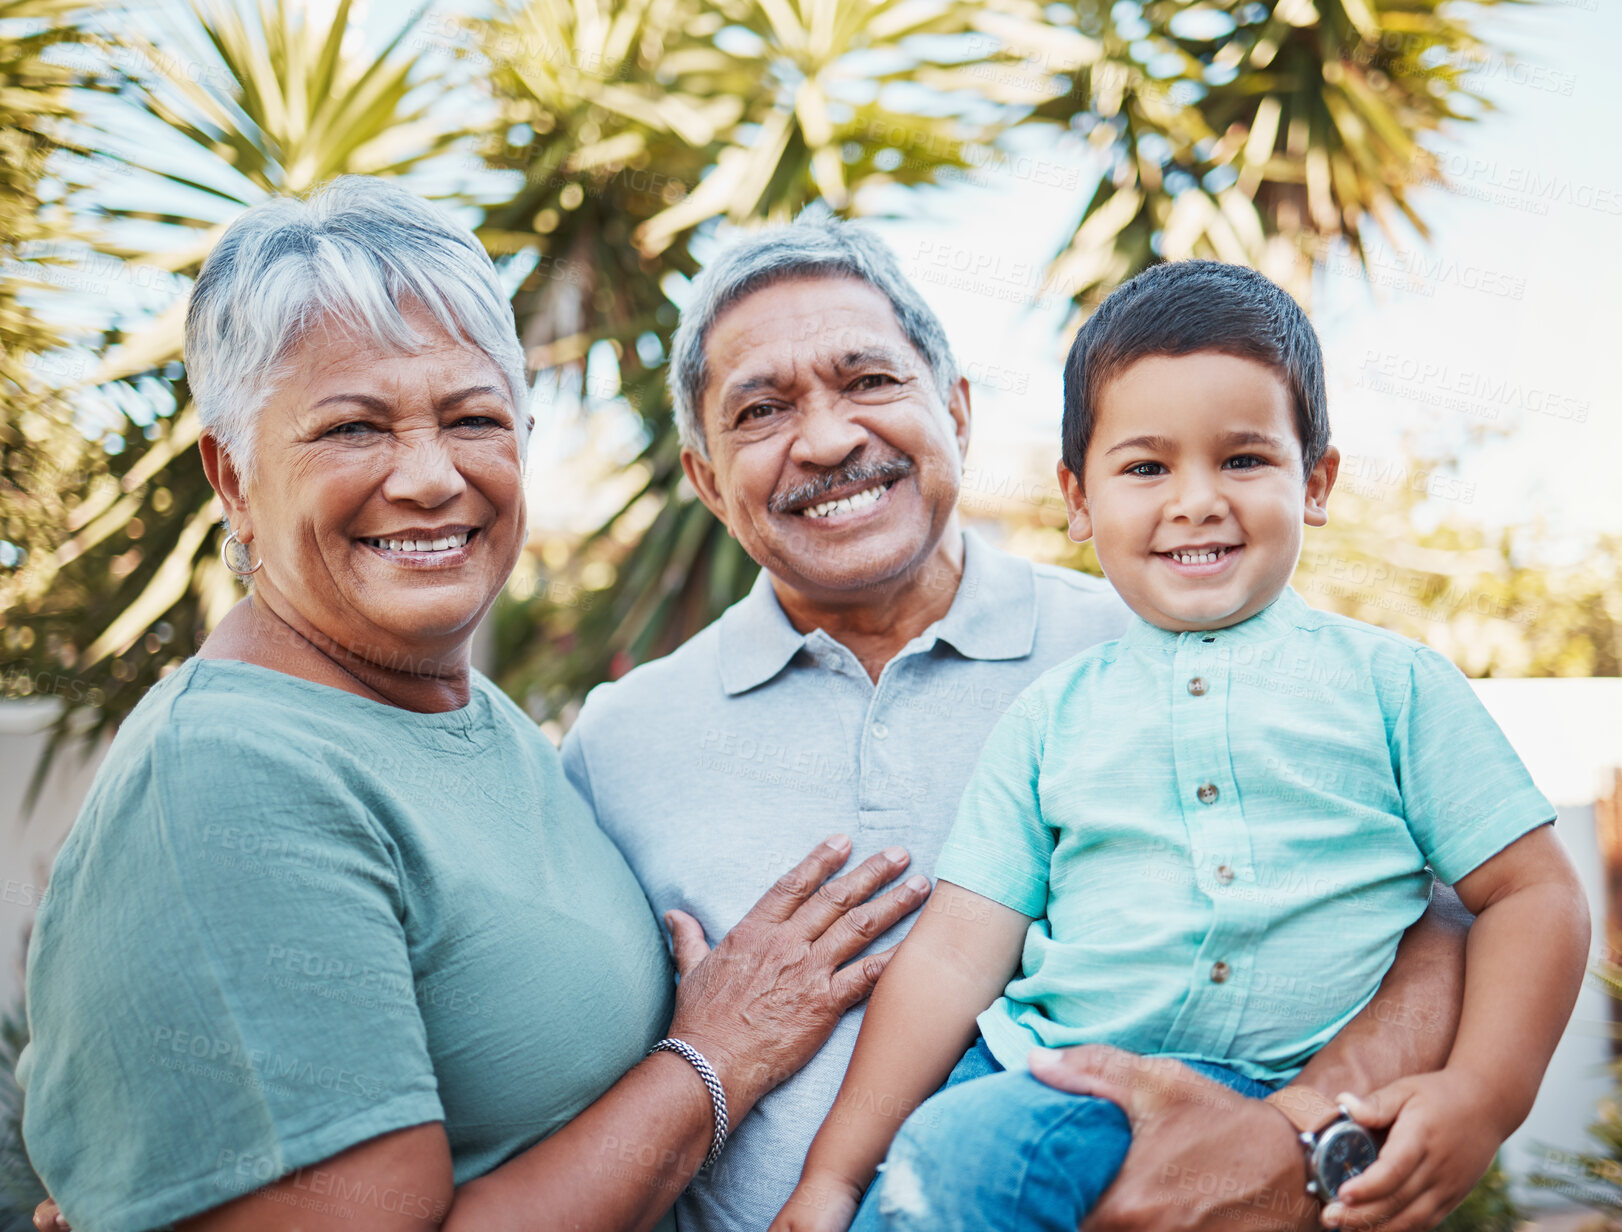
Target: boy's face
(1193, 491)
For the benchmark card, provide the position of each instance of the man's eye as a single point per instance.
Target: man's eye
(759, 411)
(477, 421)
(1146, 469)
(873, 380)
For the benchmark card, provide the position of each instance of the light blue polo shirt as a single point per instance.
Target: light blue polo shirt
(717, 769)
(1221, 836)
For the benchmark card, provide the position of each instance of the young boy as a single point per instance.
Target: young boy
(1205, 839)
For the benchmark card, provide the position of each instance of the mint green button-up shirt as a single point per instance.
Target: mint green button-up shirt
(1221, 836)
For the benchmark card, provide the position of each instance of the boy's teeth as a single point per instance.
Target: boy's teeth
(848, 505)
(1197, 558)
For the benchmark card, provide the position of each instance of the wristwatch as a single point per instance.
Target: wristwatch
(1336, 1153)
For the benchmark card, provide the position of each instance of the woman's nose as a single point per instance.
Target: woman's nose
(424, 473)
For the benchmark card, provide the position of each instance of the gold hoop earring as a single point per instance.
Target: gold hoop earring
(234, 566)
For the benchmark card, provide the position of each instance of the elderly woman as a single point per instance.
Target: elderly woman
(333, 943)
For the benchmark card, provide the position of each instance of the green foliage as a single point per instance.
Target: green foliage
(624, 129)
(20, 1190)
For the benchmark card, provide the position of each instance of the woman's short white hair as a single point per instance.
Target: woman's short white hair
(358, 250)
(816, 245)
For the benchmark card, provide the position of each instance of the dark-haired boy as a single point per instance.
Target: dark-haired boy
(1204, 840)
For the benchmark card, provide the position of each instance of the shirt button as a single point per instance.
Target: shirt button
(1224, 874)
(1219, 972)
(1196, 686)
(1207, 793)
(880, 731)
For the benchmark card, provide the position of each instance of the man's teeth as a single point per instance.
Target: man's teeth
(849, 504)
(419, 545)
(1197, 558)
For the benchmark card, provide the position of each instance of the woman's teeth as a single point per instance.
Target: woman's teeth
(1198, 558)
(849, 504)
(418, 545)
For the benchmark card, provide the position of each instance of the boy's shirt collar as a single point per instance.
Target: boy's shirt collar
(1279, 617)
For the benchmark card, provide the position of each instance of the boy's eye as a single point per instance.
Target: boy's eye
(1246, 461)
(1146, 469)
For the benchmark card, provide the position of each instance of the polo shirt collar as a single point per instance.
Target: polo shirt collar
(756, 638)
(1279, 617)
(993, 616)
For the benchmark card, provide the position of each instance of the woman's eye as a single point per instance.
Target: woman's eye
(1146, 469)
(354, 427)
(477, 421)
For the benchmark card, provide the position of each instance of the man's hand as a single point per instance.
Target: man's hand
(1202, 1157)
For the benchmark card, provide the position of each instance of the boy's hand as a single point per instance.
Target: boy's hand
(1444, 1132)
(818, 1204)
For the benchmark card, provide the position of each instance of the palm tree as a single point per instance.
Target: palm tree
(636, 125)
(119, 589)
(1250, 131)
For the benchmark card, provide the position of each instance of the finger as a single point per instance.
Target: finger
(687, 940)
(824, 908)
(1393, 1207)
(851, 984)
(1400, 1158)
(1379, 1109)
(854, 931)
(800, 882)
(1137, 1084)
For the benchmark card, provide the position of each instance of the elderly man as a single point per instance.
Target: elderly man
(823, 421)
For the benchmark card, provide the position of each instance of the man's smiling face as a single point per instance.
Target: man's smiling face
(833, 460)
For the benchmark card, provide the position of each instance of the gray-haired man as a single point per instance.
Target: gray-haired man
(824, 422)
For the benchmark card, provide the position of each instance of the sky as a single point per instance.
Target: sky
(1495, 341)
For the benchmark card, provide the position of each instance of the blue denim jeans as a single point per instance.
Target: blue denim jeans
(998, 1150)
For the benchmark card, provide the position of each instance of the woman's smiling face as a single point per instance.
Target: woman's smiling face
(386, 500)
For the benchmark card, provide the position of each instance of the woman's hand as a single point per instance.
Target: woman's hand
(763, 1001)
(47, 1218)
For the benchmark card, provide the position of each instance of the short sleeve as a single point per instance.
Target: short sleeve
(573, 753)
(220, 971)
(999, 847)
(1465, 793)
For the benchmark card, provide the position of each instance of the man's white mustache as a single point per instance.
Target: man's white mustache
(809, 492)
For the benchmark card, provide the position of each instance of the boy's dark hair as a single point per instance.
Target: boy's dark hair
(1182, 307)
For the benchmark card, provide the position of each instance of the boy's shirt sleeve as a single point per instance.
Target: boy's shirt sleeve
(1465, 792)
(999, 846)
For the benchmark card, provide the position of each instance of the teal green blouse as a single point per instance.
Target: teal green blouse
(290, 919)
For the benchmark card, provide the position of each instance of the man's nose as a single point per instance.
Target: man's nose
(826, 435)
(424, 472)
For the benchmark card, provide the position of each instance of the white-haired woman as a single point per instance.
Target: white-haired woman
(333, 943)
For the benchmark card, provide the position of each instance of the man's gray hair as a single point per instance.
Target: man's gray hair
(812, 247)
(360, 251)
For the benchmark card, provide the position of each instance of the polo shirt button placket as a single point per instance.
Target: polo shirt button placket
(1207, 793)
(1220, 972)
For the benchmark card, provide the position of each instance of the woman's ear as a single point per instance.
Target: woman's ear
(1319, 484)
(226, 479)
(1075, 503)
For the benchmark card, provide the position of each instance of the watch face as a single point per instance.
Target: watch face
(1345, 1150)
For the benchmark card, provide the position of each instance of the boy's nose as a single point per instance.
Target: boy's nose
(1197, 498)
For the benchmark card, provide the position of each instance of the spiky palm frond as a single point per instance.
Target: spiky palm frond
(265, 101)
